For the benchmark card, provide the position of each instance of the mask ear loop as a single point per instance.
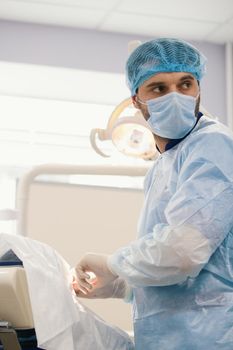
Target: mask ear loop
(198, 95)
(137, 99)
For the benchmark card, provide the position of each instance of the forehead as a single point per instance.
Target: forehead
(168, 78)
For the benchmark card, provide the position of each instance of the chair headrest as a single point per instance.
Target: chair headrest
(15, 306)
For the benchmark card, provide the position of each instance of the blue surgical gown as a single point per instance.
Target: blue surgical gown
(181, 264)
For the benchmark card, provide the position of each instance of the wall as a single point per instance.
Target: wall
(77, 219)
(101, 51)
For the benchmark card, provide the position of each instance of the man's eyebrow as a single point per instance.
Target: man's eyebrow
(188, 76)
(155, 83)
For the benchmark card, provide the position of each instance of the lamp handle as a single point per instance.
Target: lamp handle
(99, 132)
(117, 111)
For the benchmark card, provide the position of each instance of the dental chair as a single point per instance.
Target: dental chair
(16, 321)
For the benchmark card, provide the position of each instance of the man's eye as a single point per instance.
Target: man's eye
(186, 85)
(159, 88)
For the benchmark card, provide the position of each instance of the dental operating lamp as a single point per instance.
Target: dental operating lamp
(131, 135)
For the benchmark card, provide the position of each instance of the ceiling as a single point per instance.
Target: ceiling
(204, 20)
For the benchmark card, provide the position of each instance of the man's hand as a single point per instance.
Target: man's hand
(96, 263)
(115, 289)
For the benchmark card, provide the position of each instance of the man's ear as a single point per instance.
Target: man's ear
(135, 102)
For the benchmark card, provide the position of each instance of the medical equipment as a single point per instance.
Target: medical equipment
(131, 135)
(92, 277)
(16, 321)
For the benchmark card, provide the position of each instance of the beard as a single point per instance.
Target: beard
(144, 112)
(197, 108)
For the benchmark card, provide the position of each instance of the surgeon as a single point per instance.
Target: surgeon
(178, 273)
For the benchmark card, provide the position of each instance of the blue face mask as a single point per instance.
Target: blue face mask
(172, 116)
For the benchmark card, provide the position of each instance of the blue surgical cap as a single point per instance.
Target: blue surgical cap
(163, 55)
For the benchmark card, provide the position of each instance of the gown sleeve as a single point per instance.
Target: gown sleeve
(199, 216)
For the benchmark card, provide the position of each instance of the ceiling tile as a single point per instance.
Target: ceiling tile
(204, 10)
(100, 4)
(50, 14)
(223, 33)
(197, 20)
(156, 26)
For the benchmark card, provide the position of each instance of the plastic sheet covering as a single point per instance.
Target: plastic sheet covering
(61, 321)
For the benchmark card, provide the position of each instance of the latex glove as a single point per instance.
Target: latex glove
(116, 289)
(96, 263)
